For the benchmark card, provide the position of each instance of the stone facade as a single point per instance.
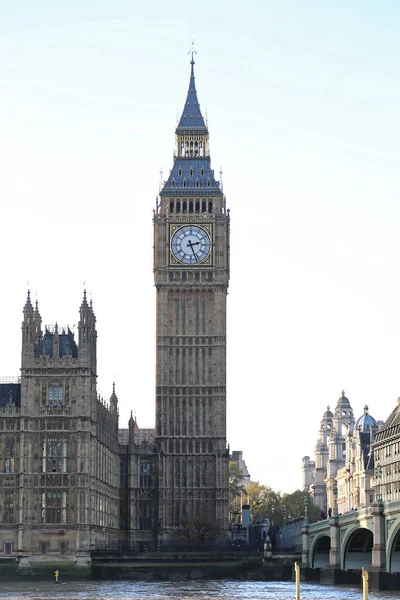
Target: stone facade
(386, 449)
(191, 272)
(71, 481)
(342, 471)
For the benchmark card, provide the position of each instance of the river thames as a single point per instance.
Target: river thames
(188, 590)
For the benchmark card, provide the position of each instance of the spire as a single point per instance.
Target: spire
(191, 118)
(28, 308)
(114, 400)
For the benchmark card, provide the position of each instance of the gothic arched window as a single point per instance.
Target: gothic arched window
(55, 395)
(191, 206)
(210, 204)
(55, 455)
(10, 455)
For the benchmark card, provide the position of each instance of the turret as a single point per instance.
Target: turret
(87, 332)
(131, 425)
(31, 326)
(114, 401)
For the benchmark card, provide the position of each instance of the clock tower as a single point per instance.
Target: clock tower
(191, 272)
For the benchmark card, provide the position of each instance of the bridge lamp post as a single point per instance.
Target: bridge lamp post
(305, 511)
(378, 477)
(335, 504)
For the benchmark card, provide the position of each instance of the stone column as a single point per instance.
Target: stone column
(305, 554)
(378, 549)
(334, 554)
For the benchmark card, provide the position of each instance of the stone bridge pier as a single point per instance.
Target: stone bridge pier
(367, 538)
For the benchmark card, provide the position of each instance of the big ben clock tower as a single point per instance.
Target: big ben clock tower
(191, 271)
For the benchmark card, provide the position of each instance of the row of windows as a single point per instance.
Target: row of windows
(183, 276)
(387, 452)
(197, 184)
(191, 207)
(53, 507)
(191, 149)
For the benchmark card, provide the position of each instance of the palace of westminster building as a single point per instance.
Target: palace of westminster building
(71, 481)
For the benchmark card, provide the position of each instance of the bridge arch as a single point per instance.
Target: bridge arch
(393, 550)
(357, 548)
(319, 552)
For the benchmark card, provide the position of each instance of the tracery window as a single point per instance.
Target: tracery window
(54, 506)
(8, 515)
(10, 456)
(55, 455)
(145, 474)
(55, 395)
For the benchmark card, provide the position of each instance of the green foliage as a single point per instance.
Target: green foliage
(294, 504)
(264, 502)
(235, 481)
(236, 490)
(278, 508)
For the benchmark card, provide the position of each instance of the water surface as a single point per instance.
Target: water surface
(182, 590)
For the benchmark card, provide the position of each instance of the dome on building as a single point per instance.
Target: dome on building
(365, 422)
(343, 400)
(328, 414)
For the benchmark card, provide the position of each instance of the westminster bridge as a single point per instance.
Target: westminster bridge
(365, 538)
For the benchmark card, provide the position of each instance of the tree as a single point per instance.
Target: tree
(236, 490)
(294, 505)
(264, 502)
(197, 528)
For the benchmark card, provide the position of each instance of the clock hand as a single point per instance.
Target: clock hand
(191, 244)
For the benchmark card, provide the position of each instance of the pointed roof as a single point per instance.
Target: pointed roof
(191, 118)
(28, 304)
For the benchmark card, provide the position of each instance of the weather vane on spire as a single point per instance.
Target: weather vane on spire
(192, 51)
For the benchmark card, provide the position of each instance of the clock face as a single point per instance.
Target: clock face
(190, 244)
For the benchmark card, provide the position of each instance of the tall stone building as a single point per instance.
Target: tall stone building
(343, 464)
(191, 272)
(71, 481)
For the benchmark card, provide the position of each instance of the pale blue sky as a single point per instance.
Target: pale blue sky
(303, 106)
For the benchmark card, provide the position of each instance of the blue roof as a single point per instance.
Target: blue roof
(10, 392)
(191, 175)
(67, 345)
(191, 118)
(365, 422)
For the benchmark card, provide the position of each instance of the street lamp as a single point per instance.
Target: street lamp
(305, 511)
(335, 504)
(378, 477)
